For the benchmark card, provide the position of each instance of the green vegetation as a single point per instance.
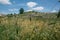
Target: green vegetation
(42, 26)
(58, 14)
(21, 11)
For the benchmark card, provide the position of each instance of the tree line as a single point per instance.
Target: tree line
(21, 11)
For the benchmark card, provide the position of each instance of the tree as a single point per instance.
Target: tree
(58, 14)
(10, 15)
(21, 11)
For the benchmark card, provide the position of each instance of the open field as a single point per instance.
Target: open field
(30, 27)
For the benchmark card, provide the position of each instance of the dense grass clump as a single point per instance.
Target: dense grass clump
(40, 27)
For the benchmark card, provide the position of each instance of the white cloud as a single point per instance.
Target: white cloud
(53, 11)
(31, 4)
(38, 8)
(28, 10)
(13, 9)
(5, 2)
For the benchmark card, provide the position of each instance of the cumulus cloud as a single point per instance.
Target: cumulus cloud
(38, 8)
(53, 11)
(5, 2)
(31, 4)
(13, 9)
(28, 10)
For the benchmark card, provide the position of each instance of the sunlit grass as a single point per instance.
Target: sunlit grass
(36, 29)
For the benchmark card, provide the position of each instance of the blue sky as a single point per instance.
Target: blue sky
(13, 6)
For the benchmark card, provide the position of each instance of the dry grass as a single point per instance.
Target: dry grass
(36, 29)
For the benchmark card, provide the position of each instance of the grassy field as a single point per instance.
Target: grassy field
(32, 26)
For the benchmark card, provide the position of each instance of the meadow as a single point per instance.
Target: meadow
(30, 26)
